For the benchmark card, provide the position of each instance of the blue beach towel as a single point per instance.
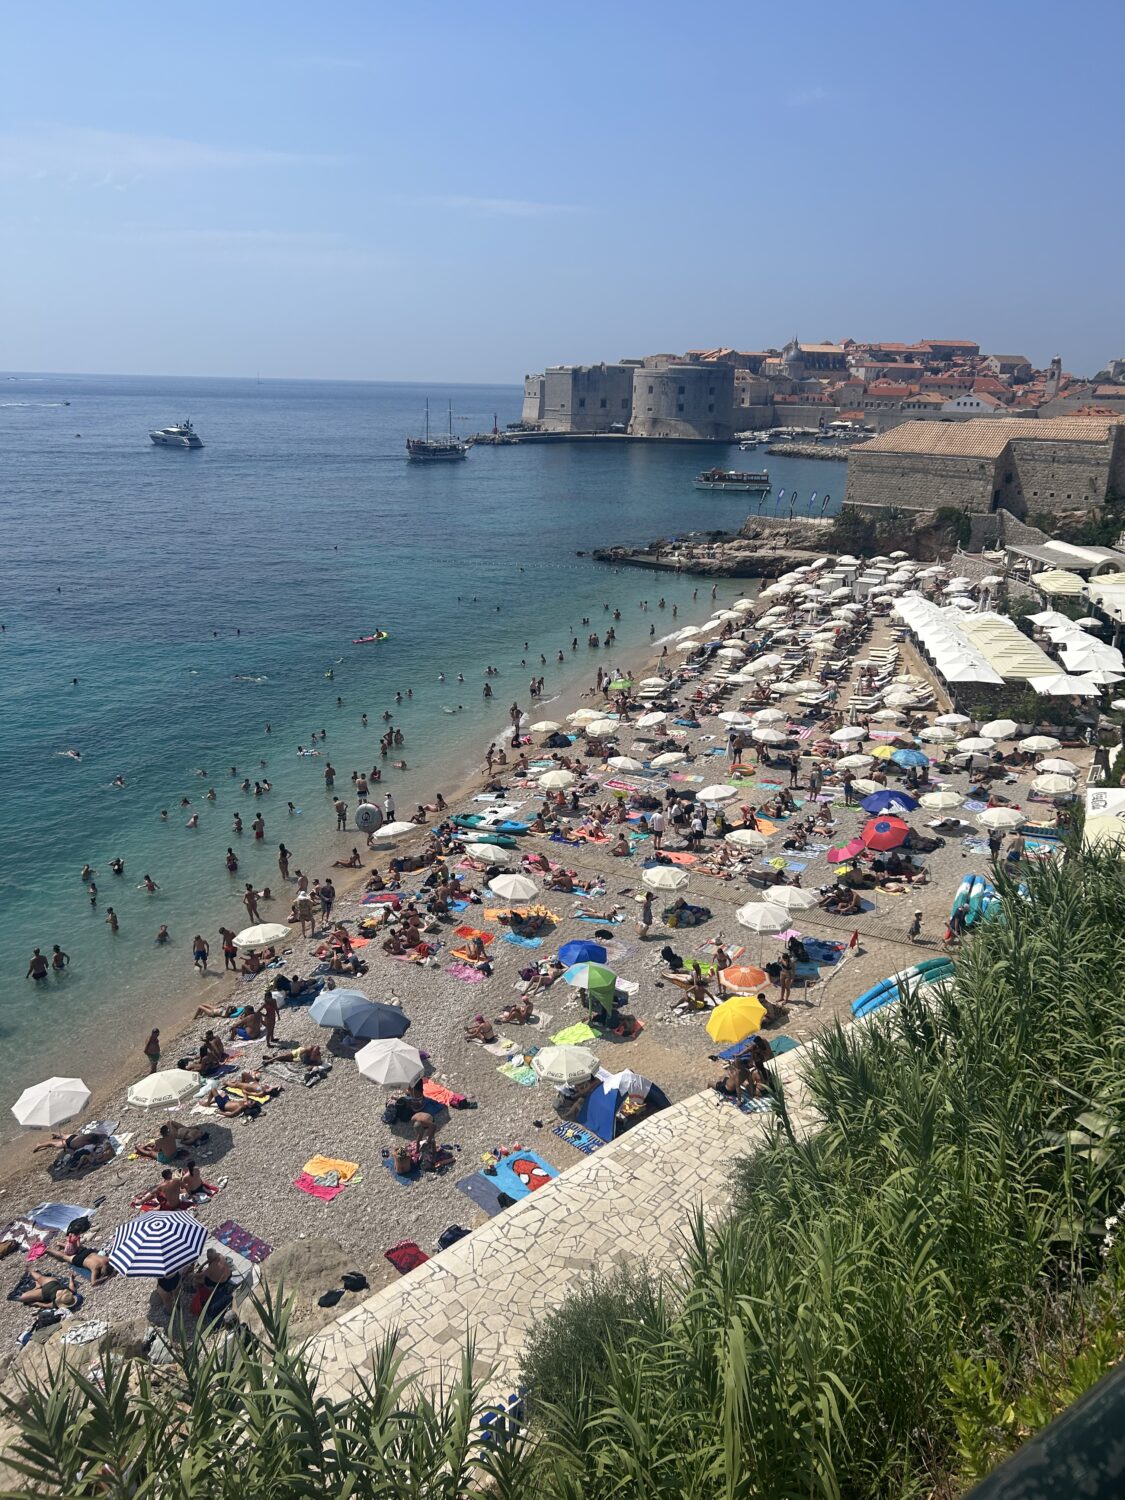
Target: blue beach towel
(574, 1135)
(407, 1179)
(482, 1191)
(508, 1181)
(521, 942)
(600, 1113)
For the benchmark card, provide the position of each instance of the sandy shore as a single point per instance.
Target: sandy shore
(255, 1164)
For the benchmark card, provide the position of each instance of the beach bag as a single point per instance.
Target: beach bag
(402, 1161)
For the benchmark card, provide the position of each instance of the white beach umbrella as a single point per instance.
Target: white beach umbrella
(261, 935)
(1039, 743)
(688, 645)
(1059, 766)
(689, 630)
(940, 801)
(669, 758)
(747, 838)
(545, 726)
(159, 1090)
(392, 831)
(49, 1103)
(793, 897)
(602, 729)
(556, 781)
(768, 736)
(565, 1065)
(1052, 785)
(855, 762)
(1001, 818)
(735, 716)
(848, 733)
(899, 697)
(763, 916)
(489, 854)
(513, 887)
(768, 716)
(951, 721)
(719, 794)
(659, 682)
(723, 615)
(999, 729)
(936, 734)
(888, 716)
(866, 788)
(650, 721)
(390, 1062)
(976, 743)
(665, 878)
(803, 685)
(625, 763)
(584, 716)
(743, 605)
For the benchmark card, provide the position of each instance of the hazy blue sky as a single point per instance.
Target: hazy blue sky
(471, 190)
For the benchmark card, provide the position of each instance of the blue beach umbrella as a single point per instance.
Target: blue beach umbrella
(888, 801)
(156, 1244)
(910, 758)
(581, 952)
(352, 1011)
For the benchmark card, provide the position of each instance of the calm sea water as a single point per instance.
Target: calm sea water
(197, 595)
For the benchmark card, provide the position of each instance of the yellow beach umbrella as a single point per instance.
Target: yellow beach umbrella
(882, 752)
(734, 1019)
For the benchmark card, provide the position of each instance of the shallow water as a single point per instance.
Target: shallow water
(301, 526)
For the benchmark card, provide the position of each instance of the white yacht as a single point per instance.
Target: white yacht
(182, 435)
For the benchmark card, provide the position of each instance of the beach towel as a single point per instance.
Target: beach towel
(600, 1113)
(522, 1173)
(306, 1184)
(581, 1139)
(473, 932)
(574, 1036)
(520, 1073)
(517, 941)
(320, 1166)
(482, 1191)
(242, 1242)
(466, 973)
(780, 1043)
(404, 1179)
(406, 1256)
(617, 917)
(440, 1094)
(750, 1106)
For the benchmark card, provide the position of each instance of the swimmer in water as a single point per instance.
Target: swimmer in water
(88, 872)
(441, 676)
(163, 935)
(119, 781)
(73, 754)
(193, 821)
(148, 884)
(164, 815)
(209, 794)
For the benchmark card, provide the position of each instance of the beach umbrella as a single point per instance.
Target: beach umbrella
(1001, 817)
(513, 887)
(368, 817)
(390, 1063)
(888, 801)
(1039, 743)
(391, 831)
(340, 1007)
(976, 743)
(718, 794)
(602, 729)
(910, 758)
(51, 1102)
(665, 877)
(743, 605)
(545, 726)
(555, 781)
(582, 952)
(650, 721)
(1053, 786)
(793, 897)
(842, 853)
(160, 1090)
(999, 729)
(866, 788)
(884, 833)
(583, 716)
(951, 721)
(768, 716)
(749, 838)
(625, 763)
(686, 630)
(378, 1020)
(689, 645)
(888, 716)
(859, 762)
(768, 736)
(653, 682)
(848, 733)
(803, 685)
(936, 734)
(1104, 830)
(261, 935)
(940, 801)
(763, 916)
(669, 758)
(565, 1065)
(743, 977)
(590, 976)
(488, 854)
(156, 1244)
(1058, 765)
(619, 685)
(735, 716)
(734, 1019)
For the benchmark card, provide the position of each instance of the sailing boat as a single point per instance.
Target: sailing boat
(436, 447)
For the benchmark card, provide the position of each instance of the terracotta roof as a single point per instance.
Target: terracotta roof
(987, 437)
(890, 388)
(821, 348)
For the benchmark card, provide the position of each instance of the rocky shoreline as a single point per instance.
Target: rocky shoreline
(765, 547)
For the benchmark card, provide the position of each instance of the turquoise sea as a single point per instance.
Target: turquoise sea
(197, 596)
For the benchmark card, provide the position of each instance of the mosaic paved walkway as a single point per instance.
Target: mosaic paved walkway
(632, 1199)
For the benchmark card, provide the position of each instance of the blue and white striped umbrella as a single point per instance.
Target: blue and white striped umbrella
(156, 1244)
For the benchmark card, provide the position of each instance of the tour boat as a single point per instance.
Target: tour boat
(182, 435)
(732, 479)
(430, 448)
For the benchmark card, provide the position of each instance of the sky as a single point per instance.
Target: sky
(472, 191)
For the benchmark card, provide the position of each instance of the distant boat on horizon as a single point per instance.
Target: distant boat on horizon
(181, 435)
(429, 448)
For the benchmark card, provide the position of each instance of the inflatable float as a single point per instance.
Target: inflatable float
(486, 836)
(365, 640)
(928, 971)
(976, 897)
(481, 821)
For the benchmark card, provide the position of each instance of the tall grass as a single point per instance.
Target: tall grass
(873, 1282)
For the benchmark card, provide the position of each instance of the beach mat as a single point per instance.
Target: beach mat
(466, 974)
(406, 1256)
(523, 1173)
(600, 1113)
(575, 1135)
(482, 1191)
(404, 1179)
(442, 1095)
(520, 1073)
(574, 1036)
(242, 1242)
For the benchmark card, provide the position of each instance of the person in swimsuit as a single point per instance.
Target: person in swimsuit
(72, 1142)
(49, 1291)
(85, 1257)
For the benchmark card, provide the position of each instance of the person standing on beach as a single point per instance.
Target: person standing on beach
(270, 1014)
(304, 908)
(152, 1049)
(283, 861)
(200, 949)
(327, 897)
(656, 828)
(644, 920)
(38, 968)
(389, 807)
(341, 814)
(250, 902)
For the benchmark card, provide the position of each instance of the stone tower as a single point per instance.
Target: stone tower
(1054, 378)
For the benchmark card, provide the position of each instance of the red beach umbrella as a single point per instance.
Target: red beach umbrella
(884, 833)
(846, 852)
